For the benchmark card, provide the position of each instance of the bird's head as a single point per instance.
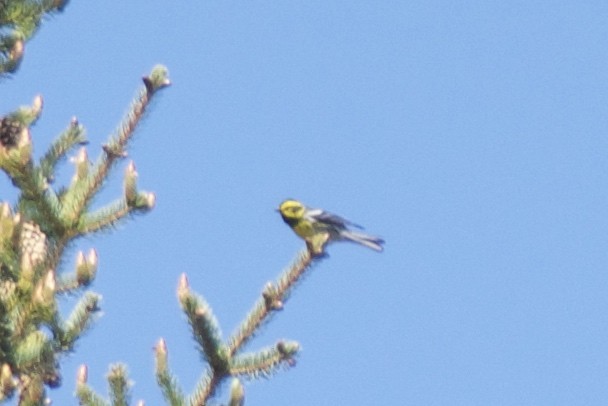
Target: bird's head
(292, 210)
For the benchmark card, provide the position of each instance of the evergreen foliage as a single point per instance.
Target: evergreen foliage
(34, 235)
(19, 21)
(36, 230)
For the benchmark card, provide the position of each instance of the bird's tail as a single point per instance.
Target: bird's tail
(367, 240)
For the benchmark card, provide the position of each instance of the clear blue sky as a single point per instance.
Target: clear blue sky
(473, 136)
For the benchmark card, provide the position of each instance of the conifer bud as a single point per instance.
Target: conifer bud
(7, 383)
(37, 105)
(237, 393)
(5, 210)
(183, 288)
(160, 351)
(82, 375)
(81, 163)
(16, 52)
(93, 260)
(130, 184)
(288, 350)
(7, 224)
(45, 289)
(161, 347)
(150, 200)
(86, 267)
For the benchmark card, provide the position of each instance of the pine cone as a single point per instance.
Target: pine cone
(9, 132)
(33, 243)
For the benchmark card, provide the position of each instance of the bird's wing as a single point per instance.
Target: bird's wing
(330, 218)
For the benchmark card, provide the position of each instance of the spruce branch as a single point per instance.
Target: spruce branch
(31, 390)
(27, 115)
(71, 137)
(265, 362)
(32, 242)
(87, 397)
(205, 388)
(79, 321)
(222, 358)
(205, 327)
(86, 269)
(19, 21)
(166, 380)
(119, 385)
(116, 146)
(85, 394)
(273, 298)
(33, 350)
(77, 199)
(108, 216)
(11, 53)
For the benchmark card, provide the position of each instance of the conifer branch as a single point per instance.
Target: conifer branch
(110, 215)
(115, 148)
(205, 388)
(85, 394)
(32, 242)
(222, 359)
(272, 300)
(265, 362)
(31, 390)
(19, 20)
(87, 397)
(86, 269)
(205, 327)
(119, 385)
(73, 136)
(79, 321)
(166, 380)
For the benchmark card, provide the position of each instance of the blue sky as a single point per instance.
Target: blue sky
(472, 136)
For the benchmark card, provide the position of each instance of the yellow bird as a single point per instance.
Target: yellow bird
(318, 227)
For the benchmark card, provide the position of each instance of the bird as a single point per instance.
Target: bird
(319, 227)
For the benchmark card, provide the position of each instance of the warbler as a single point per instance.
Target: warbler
(318, 227)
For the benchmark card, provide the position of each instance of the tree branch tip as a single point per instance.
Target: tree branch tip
(183, 287)
(7, 382)
(237, 393)
(37, 104)
(5, 210)
(80, 259)
(16, 52)
(150, 200)
(287, 349)
(82, 375)
(157, 79)
(131, 168)
(92, 258)
(161, 346)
